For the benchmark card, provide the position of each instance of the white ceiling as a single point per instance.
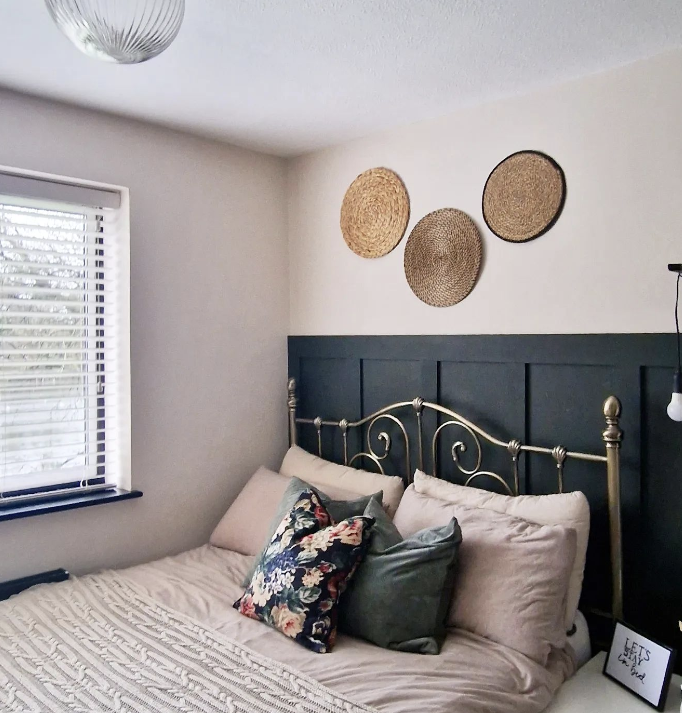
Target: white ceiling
(289, 76)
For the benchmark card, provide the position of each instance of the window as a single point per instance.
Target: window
(64, 338)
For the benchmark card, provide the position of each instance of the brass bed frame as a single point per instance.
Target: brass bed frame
(612, 437)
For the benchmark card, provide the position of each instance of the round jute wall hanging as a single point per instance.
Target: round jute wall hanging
(523, 196)
(443, 257)
(375, 213)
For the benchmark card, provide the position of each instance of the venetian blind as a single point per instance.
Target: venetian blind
(64, 355)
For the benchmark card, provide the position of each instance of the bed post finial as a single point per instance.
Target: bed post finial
(292, 403)
(613, 437)
(612, 409)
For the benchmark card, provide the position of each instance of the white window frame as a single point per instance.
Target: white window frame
(36, 186)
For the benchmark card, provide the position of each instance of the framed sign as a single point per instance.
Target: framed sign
(640, 664)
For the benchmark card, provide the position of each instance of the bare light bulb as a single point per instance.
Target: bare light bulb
(675, 405)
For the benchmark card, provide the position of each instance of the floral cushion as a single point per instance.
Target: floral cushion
(301, 574)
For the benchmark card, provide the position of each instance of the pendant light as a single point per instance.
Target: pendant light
(121, 31)
(675, 405)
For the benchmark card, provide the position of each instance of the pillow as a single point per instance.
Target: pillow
(400, 595)
(246, 525)
(312, 469)
(303, 572)
(250, 521)
(340, 503)
(512, 576)
(567, 509)
(338, 509)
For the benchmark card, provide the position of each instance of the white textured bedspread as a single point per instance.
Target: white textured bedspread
(471, 674)
(164, 637)
(99, 644)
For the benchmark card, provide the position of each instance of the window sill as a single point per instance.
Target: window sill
(73, 502)
(16, 586)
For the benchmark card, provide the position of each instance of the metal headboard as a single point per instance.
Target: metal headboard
(612, 438)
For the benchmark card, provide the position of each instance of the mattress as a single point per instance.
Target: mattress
(471, 674)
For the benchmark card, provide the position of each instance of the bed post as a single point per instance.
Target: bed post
(613, 437)
(292, 403)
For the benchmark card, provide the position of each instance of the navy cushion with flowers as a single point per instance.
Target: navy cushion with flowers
(301, 574)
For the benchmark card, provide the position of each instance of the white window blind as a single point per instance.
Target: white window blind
(64, 338)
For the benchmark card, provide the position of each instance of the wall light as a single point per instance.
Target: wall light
(675, 405)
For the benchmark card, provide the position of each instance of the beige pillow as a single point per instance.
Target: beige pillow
(512, 575)
(244, 526)
(247, 523)
(325, 474)
(567, 509)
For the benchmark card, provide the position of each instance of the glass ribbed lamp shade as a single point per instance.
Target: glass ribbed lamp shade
(121, 31)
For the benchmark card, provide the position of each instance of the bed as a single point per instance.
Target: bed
(164, 636)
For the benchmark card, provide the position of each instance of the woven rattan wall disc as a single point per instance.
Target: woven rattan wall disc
(523, 196)
(443, 257)
(375, 213)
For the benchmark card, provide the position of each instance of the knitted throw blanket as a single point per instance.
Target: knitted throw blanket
(97, 644)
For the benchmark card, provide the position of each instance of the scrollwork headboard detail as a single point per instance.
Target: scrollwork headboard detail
(455, 424)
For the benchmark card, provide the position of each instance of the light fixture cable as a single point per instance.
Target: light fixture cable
(675, 405)
(677, 322)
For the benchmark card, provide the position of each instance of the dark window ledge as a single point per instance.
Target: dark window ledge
(72, 502)
(16, 586)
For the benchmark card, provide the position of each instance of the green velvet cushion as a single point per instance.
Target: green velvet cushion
(338, 509)
(401, 592)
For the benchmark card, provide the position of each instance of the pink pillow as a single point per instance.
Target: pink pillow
(512, 577)
(325, 475)
(247, 524)
(567, 509)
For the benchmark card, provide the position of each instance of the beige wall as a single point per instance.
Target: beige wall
(602, 268)
(209, 322)
(209, 274)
